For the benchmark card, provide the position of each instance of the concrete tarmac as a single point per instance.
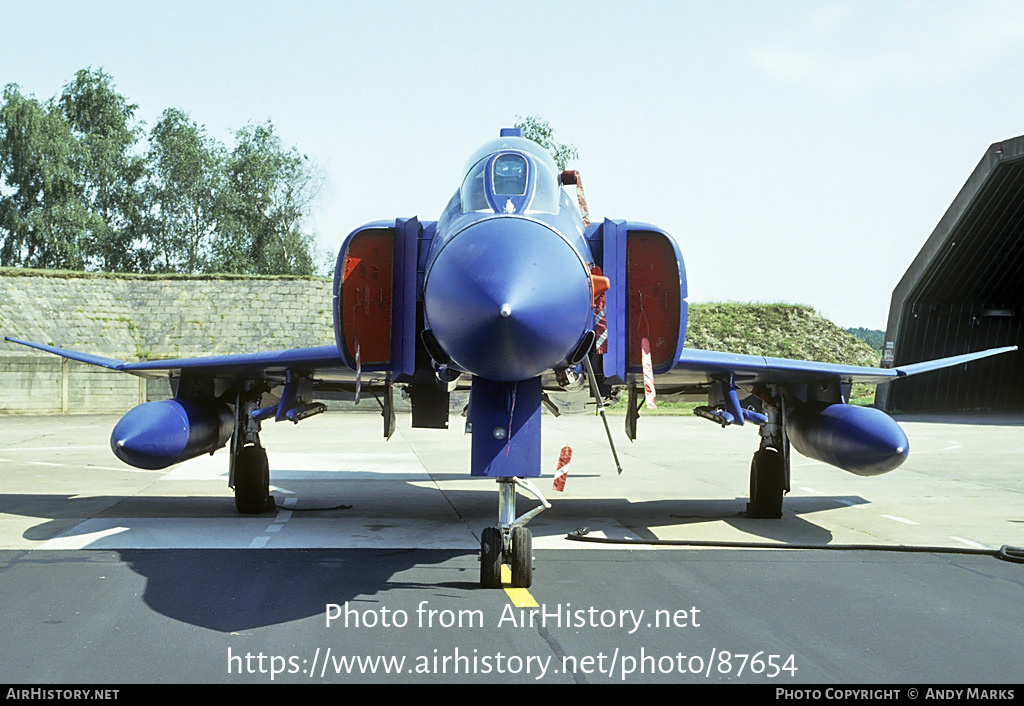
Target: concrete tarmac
(109, 574)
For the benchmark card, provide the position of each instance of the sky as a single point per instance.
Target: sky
(799, 152)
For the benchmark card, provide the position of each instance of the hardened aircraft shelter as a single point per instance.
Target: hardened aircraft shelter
(964, 292)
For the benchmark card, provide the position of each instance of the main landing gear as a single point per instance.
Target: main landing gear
(769, 469)
(252, 481)
(249, 471)
(767, 483)
(510, 542)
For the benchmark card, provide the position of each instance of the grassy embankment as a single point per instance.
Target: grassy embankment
(774, 330)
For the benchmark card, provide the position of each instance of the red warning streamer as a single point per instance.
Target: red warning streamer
(645, 355)
(359, 372)
(562, 471)
(600, 318)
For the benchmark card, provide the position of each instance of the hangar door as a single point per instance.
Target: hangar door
(964, 292)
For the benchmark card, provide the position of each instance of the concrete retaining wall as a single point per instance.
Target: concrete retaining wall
(34, 384)
(134, 318)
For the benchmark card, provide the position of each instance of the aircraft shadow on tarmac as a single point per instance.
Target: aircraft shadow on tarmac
(644, 517)
(232, 590)
(236, 589)
(474, 507)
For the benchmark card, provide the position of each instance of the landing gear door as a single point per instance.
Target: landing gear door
(375, 297)
(647, 298)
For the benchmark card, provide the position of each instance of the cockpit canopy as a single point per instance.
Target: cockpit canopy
(510, 175)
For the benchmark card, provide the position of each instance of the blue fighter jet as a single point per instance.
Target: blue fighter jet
(512, 293)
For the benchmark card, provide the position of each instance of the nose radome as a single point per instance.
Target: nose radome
(507, 298)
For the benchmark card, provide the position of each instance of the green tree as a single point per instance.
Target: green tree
(873, 337)
(537, 129)
(77, 192)
(109, 173)
(269, 192)
(184, 192)
(41, 211)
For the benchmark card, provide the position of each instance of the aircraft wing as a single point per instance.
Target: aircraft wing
(322, 362)
(697, 369)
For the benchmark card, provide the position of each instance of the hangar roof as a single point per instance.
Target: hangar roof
(976, 252)
(965, 292)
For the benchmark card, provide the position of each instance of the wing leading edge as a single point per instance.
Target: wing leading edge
(803, 402)
(224, 398)
(320, 359)
(699, 368)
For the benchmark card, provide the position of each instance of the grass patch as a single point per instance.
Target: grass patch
(74, 274)
(773, 330)
(665, 409)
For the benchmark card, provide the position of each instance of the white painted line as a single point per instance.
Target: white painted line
(971, 543)
(283, 516)
(812, 491)
(88, 466)
(241, 533)
(286, 467)
(614, 530)
(373, 463)
(204, 468)
(900, 519)
(51, 449)
(953, 447)
(273, 528)
(81, 541)
(122, 469)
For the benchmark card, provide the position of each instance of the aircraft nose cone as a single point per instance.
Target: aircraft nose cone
(507, 299)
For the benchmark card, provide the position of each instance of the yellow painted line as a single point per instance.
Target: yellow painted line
(520, 597)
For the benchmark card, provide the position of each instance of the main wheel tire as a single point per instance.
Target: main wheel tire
(252, 481)
(490, 558)
(767, 484)
(522, 557)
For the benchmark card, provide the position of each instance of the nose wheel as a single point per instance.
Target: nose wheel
(521, 560)
(510, 542)
(491, 553)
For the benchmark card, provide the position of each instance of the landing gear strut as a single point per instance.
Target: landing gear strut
(510, 542)
(767, 483)
(252, 481)
(249, 471)
(769, 469)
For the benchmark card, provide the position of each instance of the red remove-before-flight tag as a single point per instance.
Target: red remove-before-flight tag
(645, 358)
(359, 372)
(562, 471)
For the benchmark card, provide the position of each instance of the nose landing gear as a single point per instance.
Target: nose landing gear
(510, 542)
